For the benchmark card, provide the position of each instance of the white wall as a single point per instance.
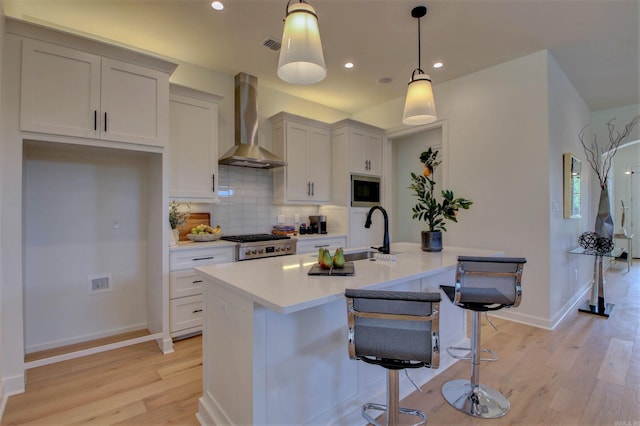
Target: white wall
(85, 214)
(3, 396)
(568, 114)
(406, 159)
(508, 126)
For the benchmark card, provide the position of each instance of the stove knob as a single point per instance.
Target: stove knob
(260, 251)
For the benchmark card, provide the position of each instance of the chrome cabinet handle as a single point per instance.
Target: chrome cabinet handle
(202, 258)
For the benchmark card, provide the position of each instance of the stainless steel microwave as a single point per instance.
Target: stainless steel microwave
(365, 191)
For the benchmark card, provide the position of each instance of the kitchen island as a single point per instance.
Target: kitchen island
(275, 338)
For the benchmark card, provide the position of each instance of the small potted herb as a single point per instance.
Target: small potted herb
(177, 217)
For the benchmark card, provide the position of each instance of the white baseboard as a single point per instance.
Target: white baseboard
(79, 339)
(545, 323)
(94, 350)
(3, 400)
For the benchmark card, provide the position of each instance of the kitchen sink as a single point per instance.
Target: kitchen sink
(358, 255)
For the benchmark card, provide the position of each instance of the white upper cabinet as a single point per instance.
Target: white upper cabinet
(361, 144)
(365, 152)
(71, 92)
(356, 149)
(193, 145)
(305, 145)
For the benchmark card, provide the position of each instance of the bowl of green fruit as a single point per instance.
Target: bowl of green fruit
(202, 233)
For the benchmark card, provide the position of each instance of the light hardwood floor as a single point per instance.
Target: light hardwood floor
(586, 372)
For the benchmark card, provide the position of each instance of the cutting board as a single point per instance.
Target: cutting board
(194, 220)
(348, 269)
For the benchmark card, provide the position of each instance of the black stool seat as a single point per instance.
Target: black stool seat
(395, 330)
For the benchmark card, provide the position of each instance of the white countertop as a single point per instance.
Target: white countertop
(282, 284)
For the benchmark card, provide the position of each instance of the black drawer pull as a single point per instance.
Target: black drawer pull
(197, 282)
(322, 245)
(197, 310)
(105, 121)
(202, 258)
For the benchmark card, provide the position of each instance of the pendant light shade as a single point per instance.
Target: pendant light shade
(301, 57)
(420, 106)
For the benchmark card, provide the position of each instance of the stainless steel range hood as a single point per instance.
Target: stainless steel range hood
(246, 152)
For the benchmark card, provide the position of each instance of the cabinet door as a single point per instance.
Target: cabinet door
(319, 164)
(365, 152)
(193, 149)
(298, 183)
(60, 90)
(374, 154)
(358, 151)
(134, 103)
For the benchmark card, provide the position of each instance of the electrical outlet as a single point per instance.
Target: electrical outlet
(99, 283)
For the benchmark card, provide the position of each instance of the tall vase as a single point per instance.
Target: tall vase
(604, 220)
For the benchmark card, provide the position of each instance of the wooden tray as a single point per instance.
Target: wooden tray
(348, 269)
(194, 220)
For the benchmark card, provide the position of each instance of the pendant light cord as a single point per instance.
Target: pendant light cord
(419, 50)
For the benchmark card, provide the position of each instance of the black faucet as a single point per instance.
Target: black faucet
(385, 245)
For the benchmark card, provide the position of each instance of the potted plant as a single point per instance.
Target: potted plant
(428, 208)
(177, 217)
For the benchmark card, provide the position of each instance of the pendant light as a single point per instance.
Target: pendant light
(419, 107)
(301, 58)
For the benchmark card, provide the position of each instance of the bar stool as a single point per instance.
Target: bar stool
(482, 284)
(395, 330)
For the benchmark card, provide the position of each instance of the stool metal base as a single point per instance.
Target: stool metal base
(391, 420)
(478, 401)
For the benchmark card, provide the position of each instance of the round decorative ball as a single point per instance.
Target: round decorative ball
(604, 245)
(588, 240)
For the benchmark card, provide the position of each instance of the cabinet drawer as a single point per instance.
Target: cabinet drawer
(312, 246)
(187, 259)
(186, 312)
(184, 283)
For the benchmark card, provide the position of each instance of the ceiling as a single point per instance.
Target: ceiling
(595, 42)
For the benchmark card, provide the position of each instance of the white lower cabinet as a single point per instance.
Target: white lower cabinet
(312, 244)
(185, 286)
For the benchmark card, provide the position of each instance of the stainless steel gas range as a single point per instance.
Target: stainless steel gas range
(257, 246)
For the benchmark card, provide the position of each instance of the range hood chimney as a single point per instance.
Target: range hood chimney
(246, 152)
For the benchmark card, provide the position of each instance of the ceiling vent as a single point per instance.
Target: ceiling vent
(272, 44)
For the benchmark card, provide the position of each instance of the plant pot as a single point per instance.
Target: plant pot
(431, 241)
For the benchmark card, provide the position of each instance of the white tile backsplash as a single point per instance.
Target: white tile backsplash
(245, 205)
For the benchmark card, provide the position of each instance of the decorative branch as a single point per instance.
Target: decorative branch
(600, 159)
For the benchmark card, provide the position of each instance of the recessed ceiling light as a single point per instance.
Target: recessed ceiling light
(348, 65)
(217, 5)
(438, 64)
